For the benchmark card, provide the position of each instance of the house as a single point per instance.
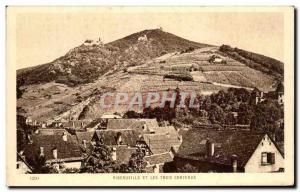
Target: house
(216, 59)
(257, 96)
(229, 151)
(122, 142)
(92, 126)
(139, 125)
(280, 93)
(48, 131)
(91, 42)
(22, 166)
(77, 124)
(84, 140)
(57, 149)
(143, 38)
(159, 143)
(116, 137)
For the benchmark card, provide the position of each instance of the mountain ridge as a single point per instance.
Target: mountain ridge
(85, 63)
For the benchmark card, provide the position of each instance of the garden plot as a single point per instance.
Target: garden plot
(215, 76)
(262, 81)
(198, 76)
(133, 85)
(221, 67)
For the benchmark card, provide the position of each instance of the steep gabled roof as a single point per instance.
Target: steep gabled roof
(84, 136)
(129, 137)
(66, 150)
(151, 124)
(134, 124)
(124, 153)
(58, 132)
(113, 124)
(160, 143)
(227, 143)
(159, 158)
(78, 124)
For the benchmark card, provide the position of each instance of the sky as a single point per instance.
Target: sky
(42, 36)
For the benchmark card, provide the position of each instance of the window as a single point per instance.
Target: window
(267, 158)
(264, 158)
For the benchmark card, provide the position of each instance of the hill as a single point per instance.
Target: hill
(147, 61)
(87, 62)
(164, 41)
(254, 60)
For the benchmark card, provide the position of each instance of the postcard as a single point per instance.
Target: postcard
(150, 96)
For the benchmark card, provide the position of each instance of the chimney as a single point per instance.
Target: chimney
(210, 148)
(84, 143)
(42, 151)
(54, 151)
(156, 168)
(65, 136)
(274, 137)
(234, 163)
(114, 154)
(73, 124)
(119, 138)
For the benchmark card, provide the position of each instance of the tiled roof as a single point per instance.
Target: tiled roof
(152, 124)
(227, 143)
(124, 153)
(75, 124)
(134, 124)
(159, 158)
(66, 150)
(124, 124)
(92, 124)
(84, 136)
(166, 130)
(160, 143)
(129, 137)
(44, 131)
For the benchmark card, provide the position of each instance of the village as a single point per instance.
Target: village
(148, 145)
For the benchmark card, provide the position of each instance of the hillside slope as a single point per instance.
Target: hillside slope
(86, 63)
(151, 60)
(257, 61)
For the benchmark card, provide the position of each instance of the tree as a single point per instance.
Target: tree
(230, 119)
(132, 114)
(266, 115)
(100, 160)
(136, 162)
(245, 114)
(216, 114)
(38, 164)
(147, 112)
(23, 130)
(20, 82)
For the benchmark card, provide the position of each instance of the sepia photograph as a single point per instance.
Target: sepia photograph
(150, 96)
